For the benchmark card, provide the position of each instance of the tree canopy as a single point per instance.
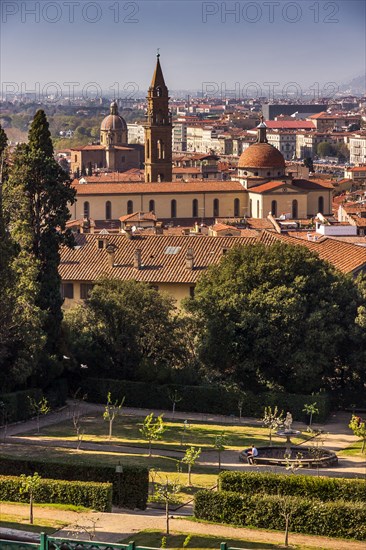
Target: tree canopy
(282, 317)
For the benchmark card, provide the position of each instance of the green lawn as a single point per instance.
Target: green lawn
(176, 437)
(353, 450)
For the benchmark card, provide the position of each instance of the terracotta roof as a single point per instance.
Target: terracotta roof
(261, 155)
(346, 257)
(259, 223)
(290, 124)
(312, 184)
(224, 227)
(149, 188)
(89, 148)
(269, 186)
(356, 169)
(138, 216)
(88, 263)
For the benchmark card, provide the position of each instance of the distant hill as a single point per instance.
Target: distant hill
(357, 86)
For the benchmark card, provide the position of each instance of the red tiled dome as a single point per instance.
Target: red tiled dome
(261, 155)
(113, 122)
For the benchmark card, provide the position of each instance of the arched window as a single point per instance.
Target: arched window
(108, 210)
(294, 209)
(151, 206)
(148, 149)
(86, 210)
(160, 149)
(258, 209)
(216, 208)
(321, 205)
(274, 208)
(236, 208)
(173, 209)
(129, 207)
(250, 208)
(194, 208)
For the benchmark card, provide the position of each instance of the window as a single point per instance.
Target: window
(236, 208)
(108, 210)
(67, 290)
(274, 208)
(321, 205)
(194, 208)
(250, 208)
(216, 208)
(76, 158)
(173, 209)
(148, 148)
(294, 209)
(85, 290)
(100, 243)
(258, 209)
(151, 206)
(129, 207)
(86, 210)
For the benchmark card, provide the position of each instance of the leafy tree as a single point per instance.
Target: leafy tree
(190, 458)
(107, 331)
(38, 199)
(219, 445)
(28, 485)
(112, 409)
(39, 408)
(325, 149)
(358, 426)
(310, 409)
(282, 317)
(272, 419)
(166, 492)
(175, 398)
(152, 429)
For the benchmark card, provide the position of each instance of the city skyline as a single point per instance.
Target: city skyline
(208, 46)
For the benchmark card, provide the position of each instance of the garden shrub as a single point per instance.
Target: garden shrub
(130, 488)
(309, 516)
(321, 488)
(97, 496)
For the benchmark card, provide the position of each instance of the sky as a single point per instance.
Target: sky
(210, 46)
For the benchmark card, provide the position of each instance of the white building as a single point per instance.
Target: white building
(357, 145)
(136, 133)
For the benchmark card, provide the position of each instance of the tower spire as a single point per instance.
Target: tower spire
(158, 78)
(262, 131)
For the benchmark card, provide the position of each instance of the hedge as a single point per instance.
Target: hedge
(321, 488)
(202, 399)
(310, 516)
(80, 493)
(130, 488)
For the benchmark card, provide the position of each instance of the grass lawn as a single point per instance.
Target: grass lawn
(353, 450)
(176, 437)
(152, 538)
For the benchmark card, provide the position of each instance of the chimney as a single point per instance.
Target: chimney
(111, 251)
(189, 259)
(137, 258)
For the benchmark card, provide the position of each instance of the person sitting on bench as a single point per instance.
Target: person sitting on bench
(251, 454)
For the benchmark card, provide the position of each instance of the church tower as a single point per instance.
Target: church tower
(158, 130)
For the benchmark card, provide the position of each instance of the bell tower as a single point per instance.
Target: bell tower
(158, 130)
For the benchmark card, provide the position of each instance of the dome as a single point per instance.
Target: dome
(113, 122)
(261, 155)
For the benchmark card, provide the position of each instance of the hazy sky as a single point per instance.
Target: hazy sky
(111, 41)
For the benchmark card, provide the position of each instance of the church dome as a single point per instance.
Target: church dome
(114, 121)
(261, 155)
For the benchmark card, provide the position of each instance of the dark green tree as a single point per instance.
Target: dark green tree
(39, 195)
(125, 329)
(325, 149)
(308, 162)
(281, 317)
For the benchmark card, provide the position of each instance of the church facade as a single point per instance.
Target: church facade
(260, 187)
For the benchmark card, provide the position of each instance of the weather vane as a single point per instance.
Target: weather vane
(158, 52)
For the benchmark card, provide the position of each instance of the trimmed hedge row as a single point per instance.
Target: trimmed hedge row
(321, 488)
(130, 488)
(202, 399)
(310, 516)
(16, 405)
(55, 491)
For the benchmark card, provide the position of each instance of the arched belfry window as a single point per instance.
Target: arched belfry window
(129, 207)
(86, 210)
(321, 205)
(148, 148)
(216, 208)
(195, 208)
(236, 208)
(108, 210)
(274, 208)
(173, 208)
(295, 209)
